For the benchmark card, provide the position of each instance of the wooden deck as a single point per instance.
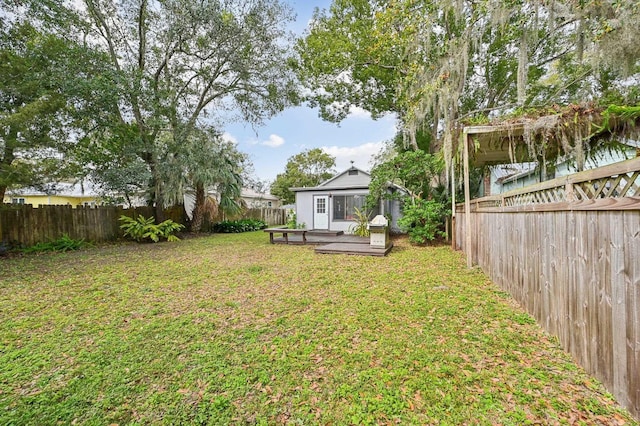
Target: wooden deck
(334, 243)
(316, 239)
(353, 248)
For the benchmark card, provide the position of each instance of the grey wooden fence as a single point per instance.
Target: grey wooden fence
(568, 251)
(270, 215)
(27, 225)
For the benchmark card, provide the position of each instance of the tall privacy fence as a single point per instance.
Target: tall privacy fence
(568, 250)
(26, 225)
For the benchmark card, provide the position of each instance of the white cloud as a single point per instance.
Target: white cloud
(360, 155)
(274, 141)
(228, 137)
(354, 111)
(358, 112)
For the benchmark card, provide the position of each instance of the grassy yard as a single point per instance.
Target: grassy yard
(228, 329)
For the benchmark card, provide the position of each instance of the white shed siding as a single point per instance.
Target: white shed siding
(393, 208)
(304, 208)
(342, 184)
(346, 180)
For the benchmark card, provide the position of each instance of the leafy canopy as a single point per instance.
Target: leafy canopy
(441, 64)
(346, 60)
(308, 168)
(44, 80)
(169, 67)
(415, 171)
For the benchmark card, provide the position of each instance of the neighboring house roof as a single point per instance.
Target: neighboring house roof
(515, 176)
(65, 189)
(515, 171)
(633, 143)
(508, 172)
(245, 193)
(251, 193)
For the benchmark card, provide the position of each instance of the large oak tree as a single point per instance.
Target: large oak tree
(182, 61)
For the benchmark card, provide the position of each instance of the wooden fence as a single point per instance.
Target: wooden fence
(26, 225)
(568, 251)
(269, 215)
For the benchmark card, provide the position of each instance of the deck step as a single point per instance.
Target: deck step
(324, 232)
(350, 248)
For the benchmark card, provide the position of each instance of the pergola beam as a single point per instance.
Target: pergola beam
(467, 198)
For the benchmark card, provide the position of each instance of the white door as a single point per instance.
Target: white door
(320, 212)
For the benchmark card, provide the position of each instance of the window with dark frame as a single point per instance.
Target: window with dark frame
(344, 206)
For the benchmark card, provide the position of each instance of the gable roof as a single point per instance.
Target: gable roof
(339, 175)
(252, 193)
(330, 183)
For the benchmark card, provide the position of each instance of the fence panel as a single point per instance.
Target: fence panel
(269, 215)
(573, 265)
(25, 225)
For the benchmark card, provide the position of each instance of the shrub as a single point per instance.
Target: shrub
(361, 227)
(236, 226)
(145, 229)
(7, 247)
(292, 223)
(63, 244)
(423, 220)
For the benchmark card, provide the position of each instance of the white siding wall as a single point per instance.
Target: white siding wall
(563, 169)
(361, 179)
(304, 208)
(527, 180)
(304, 201)
(395, 215)
(602, 158)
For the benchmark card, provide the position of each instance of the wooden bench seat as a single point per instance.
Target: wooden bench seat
(285, 234)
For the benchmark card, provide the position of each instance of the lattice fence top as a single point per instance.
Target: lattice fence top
(616, 186)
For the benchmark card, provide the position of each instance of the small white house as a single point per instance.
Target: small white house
(251, 198)
(258, 200)
(331, 205)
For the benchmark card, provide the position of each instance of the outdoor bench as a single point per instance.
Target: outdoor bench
(285, 234)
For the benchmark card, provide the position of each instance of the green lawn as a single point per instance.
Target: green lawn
(228, 329)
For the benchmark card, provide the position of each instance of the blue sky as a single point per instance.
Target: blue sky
(296, 129)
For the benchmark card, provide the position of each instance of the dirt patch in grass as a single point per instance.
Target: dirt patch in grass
(229, 329)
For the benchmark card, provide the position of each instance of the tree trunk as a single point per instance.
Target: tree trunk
(8, 156)
(198, 210)
(155, 188)
(159, 207)
(434, 146)
(523, 67)
(580, 40)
